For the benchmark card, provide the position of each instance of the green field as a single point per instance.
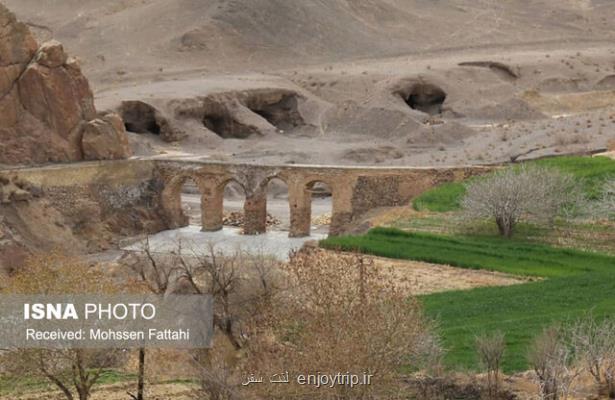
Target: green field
(591, 172)
(477, 252)
(576, 283)
(445, 197)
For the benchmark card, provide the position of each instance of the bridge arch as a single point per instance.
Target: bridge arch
(300, 199)
(229, 185)
(319, 190)
(172, 202)
(272, 187)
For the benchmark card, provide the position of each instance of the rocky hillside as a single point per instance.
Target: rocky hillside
(47, 111)
(371, 82)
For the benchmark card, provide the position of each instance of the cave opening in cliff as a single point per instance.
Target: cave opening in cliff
(426, 97)
(139, 117)
(280, 111)
(227, 127)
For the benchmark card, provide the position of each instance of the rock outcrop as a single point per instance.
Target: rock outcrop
(105, 139)
(16, 190)
(47, 111)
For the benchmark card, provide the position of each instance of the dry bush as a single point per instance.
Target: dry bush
(554, 361)
(341, 314)
(56, 273)
(511, 195)
(241, 283)
(595, 343)
(73, 371)
(490, 349)
(566, 139)
(606, 203)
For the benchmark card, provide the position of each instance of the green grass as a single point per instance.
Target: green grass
(445, 197)
(580, 234)
(520, 311)
(476, 252)
(577, 282)
(591, 172)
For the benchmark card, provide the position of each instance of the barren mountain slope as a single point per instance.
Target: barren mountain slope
(405, 82)
(139, 36)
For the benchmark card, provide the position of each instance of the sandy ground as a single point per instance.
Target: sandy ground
(227, 240)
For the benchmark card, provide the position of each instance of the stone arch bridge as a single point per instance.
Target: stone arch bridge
(355, 190)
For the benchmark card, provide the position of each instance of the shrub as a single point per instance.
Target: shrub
(595, 343)
(553, 361)
(606, 203)
(490, 349)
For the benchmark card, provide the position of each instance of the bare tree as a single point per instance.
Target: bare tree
(240, 284)
(513, 194)
(73, 371)
(554, 362)
(490, 350)
(155, 277)
(595, 343)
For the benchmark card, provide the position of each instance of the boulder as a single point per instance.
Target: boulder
(46, 104)
(105, 139)
(51, 54)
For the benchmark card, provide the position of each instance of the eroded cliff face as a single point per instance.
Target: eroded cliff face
(76, 208)
(47, 111)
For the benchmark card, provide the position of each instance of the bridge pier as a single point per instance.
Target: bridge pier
(212, 209)
(341, 213)
(172, 204)
(300, 200)
(255, 214)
